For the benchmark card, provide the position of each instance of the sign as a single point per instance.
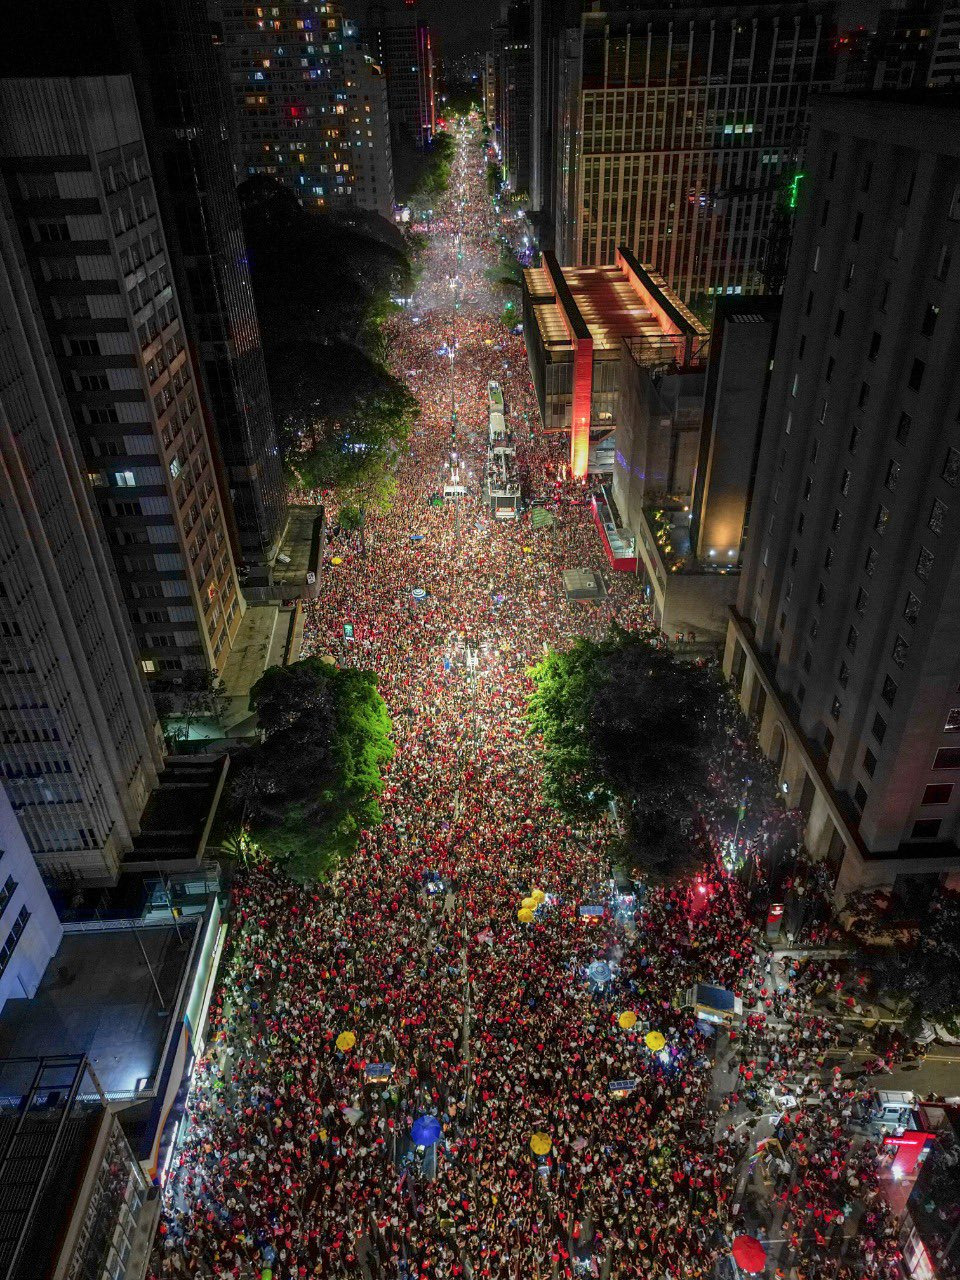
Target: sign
(378, 1070)
(311, 578)
(774, 919)
(588, 911)
(348, 631)
(620, 1088)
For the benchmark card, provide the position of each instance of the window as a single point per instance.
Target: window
(848, 275)
(7, 891)
(13, 937)
(828, 558)
(903, 428)
(51, 231)
(860, 606)
(924, 564)
(930, 317)
(952, 722)
(889, 691)
(829, 370)
(836, 521)
(835, 707)
(881, 519)
(917, 370)
(911, 610)
(899, 651)
(943, 262)
(809, 302)
(925, 829)
(870, 563)
(950, 472)
(863, 395)
(937, 793)
(845, 483)
(860, 795)
(852, 637)
(892, 476)
(874, 349)
(806, 661)
(884, 295)
(947, 758)
(869, 763)
(838, 326)
(92, 382)
(857, 227)
(124, 479)
(854, 440)
(821, 593)
(937, 513)
(880, 727)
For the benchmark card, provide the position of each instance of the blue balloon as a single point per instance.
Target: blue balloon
(599, 972)
(426, 1130)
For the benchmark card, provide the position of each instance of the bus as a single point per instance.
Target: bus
(495, 397)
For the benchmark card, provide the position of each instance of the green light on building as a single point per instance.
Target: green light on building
(793, 191)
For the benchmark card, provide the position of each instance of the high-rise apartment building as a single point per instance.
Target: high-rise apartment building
(79, 743)
(74, 163)
(401, 45)
(845, 643)
(171, 49)
(310, 102)
(679, 128)
(916, 45)
(513, 51)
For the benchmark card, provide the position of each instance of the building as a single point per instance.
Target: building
(916, 45)
(679, 129)
(930, 1222)
(169, 48)
(401, 45)
(74, 1201)
(77, 176)
(30, 932)
(575, 320)
(311, 104)
(490, 89)
(513, 52)
(686, 448)
(80, 747)
(843, 644)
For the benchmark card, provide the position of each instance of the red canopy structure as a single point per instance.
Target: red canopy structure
(749, 1254)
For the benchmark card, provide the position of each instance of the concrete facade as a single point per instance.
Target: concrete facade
(844, 643)
(30, 932)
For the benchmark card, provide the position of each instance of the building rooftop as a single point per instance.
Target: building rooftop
(627, 300)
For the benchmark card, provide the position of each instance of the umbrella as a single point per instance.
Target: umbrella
(749, 1254)
(346, 1040)
(336, 560)
(579, 1144)
(538, 895)
(654, 1040)
(540, 1143)
(530, 904)
(627, 1019)
(599, 972)
(426, 1130)
(352, 1114)
(525, 915)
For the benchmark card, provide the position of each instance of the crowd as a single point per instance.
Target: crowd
(408, 985)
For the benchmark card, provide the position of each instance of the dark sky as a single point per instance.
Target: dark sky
(461, 25)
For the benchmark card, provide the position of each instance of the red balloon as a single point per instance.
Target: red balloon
(749, 1254)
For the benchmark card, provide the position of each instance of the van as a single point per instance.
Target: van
(453, 492)
(714, 1004)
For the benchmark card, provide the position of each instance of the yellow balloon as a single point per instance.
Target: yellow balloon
(530, 904)
(336, 559)
(524, 915)
(538, 895)
(627, 1019)
(540, 1144)
(346, 1040)
(527, 550)
(654, 1040)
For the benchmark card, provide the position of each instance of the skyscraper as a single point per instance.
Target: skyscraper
(170, 49)
(845, 641)
(79, 743)
(679, 129)
(401, 45)
(513, 50)
(75, 166)
(311, 104)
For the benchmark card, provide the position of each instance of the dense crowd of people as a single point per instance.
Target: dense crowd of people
(580, 1132)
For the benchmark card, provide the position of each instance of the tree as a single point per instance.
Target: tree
(313, 782)
(624, 719)
(186, 698)
(923, 973)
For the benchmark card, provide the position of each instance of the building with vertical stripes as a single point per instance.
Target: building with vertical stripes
(679, 130)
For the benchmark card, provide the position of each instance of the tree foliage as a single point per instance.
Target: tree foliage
(622, 719)
(923, 972)
(314, 780)
(323, 291)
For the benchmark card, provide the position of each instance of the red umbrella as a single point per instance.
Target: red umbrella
(749, 1254)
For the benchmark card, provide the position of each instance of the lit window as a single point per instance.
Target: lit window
(124, 479)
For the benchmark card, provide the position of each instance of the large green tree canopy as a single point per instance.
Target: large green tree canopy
(313, 782)
(623, 719)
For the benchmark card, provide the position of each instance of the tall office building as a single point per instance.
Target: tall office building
(79, 743)
(513, 51)
(401, 45)
(74, 163)
(916, 45)
(311, 104)
(679, 128)
(170, 49)
(845, 643)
